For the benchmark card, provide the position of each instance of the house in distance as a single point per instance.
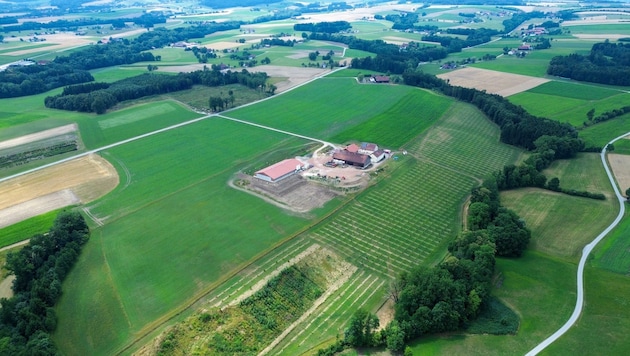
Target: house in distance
(279, 171)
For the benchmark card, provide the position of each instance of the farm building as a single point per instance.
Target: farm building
(368, 148)
(352, 158)
(352, 148)
(377, 156)
(278, 171)
(379, 79)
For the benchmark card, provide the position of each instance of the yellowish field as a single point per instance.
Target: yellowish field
(620, 165)
(504, 84)
(81, 180)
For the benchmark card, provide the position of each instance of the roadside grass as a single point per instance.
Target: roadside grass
(605, 311)
(613, 253)
(600, 134)
(28, 228)
(548, 215)
(538, 287)
(622, 147)
(324, 109)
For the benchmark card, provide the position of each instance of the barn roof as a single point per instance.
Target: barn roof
(351, 157)
(281, 168)
(352, 148)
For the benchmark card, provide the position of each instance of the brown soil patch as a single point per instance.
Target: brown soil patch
(620, 165)
(504, 84)
(78, 181)
(223, 45)
(5, 287)
(42, 135)
(385, 314)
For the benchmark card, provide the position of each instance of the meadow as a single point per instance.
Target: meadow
(36, 225)
(600, 134)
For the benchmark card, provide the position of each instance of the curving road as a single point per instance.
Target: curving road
(579, 303)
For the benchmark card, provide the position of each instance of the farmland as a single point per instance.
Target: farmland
(173, 238)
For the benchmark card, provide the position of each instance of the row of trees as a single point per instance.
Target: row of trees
(27, 319)
(323, 27)
(18, 81)
(605, 116)
(607, 63)
(98, 97)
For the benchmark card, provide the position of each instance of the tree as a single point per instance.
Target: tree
(590, 114)
(478, 216)
(554, 184)
(395, 337)
(628, 193)
(360, 332)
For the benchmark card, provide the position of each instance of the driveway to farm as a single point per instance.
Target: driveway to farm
(579, 303)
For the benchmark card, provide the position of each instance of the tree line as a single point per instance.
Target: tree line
(18, 81)
(323, 27)
(455, 44)
(607, 63)
(99, 97)
(28, 318)
(143, 20)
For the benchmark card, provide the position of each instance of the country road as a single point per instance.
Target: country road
(579, 303)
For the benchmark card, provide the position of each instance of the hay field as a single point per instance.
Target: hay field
(620, 165)
(80, 180)
(504, 84)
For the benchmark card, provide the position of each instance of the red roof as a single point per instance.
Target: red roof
(281, 168)
(352, 158)
(352, 148)
(381, 78)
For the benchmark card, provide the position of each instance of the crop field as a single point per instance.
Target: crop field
(325, 109)
(401, 128)
(465, 131)
(614, 252)
(570, 107)
(191, 205)
(35, 225)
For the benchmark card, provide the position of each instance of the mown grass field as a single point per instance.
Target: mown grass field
(600, 134)
(569, 102)
(36, 225)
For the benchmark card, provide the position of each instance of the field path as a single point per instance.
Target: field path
(579, 303)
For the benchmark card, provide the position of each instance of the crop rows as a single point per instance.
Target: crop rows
(232, 288)
(472, 140)
(330, 319)
(395, 227)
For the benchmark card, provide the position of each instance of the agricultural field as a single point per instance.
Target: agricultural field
(174, 238)
(570, 102)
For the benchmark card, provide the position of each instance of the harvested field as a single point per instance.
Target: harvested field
(42, 135)
(223, 45)
(77, 181)
(62, 40)
(37, 206)
(504, 84)
(620, 165)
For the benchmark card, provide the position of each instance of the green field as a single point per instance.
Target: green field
(36, 225)
(569, 102)
(600, 134)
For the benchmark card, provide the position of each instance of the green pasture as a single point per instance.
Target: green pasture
(395, 127)
(549, 216)
(622, 147)
(112, 74)
(613, 252)
(605, 321)
(169, 235)
(510, 64)
(600, 134)
(599, 29)
(325, 109)
(571, 102)
(27, 228)
(538, 287)
(584, 172)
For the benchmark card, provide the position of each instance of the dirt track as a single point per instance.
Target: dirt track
(77, 181)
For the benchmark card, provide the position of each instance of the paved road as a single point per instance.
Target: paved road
(579, 303)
